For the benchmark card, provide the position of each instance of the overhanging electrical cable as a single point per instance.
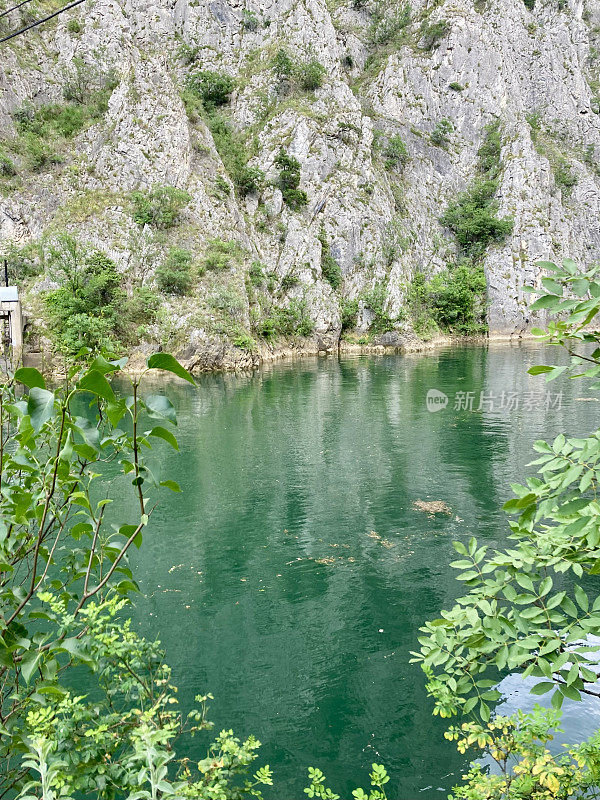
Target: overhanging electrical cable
(41, 21)
(14, 8)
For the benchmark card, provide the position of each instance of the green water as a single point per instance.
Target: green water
(264, 579)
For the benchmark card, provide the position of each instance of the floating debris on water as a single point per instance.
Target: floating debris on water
(432, 507)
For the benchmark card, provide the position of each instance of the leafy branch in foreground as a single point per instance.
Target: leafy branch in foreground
(530, 608)
(64, 587)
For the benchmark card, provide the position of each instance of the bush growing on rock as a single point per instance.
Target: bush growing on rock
(440, 135)
(289, 181)
(293, 320)
(388, 25)
(174, 276)
(282, 64)
(234, 156)
(87, 309)
(564, 176)
(452, 300)
(349, 313)
(221, 254)
(433, 33)
(395, 153)
(159, 207)
(472, 218)
(376, 299)
(329, 267)
(213, 88)
(310, 75)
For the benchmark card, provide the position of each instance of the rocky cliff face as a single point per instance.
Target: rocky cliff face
(434, 77)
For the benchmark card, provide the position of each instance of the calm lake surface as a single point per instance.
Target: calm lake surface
(291, 576)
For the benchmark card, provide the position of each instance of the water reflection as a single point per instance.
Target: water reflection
(291, 576)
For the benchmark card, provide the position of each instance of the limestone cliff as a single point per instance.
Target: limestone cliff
(429, 80)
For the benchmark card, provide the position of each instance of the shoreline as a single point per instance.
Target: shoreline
(223, 357)
(231, 359)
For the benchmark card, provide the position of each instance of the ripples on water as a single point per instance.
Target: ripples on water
(292, 574)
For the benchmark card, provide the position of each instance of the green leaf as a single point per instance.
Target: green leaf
(29, 663)
(30, 377)
(581, 597)
(552, 286)
(40, 407)
(542, 688)
(163, 433)
(165, 361)
(102, 365)
(545, 301)
(539, 370)
(570, 692)
(160, 406)
(580, 286)
(95, 382)
(172, 485)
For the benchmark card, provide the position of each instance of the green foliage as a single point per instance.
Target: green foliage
(440, 135)
(531, 608)
(349, 313)
(188, 54)
(234, 156)
(212, 88)
(310, 75)
(42, 130)
(221, 255)
(395, 153)
(174, 275)
(329, 267)
(529, 4)
(87, 308)
(7, 166)
(490, 152)
(250, 21)
(159, 207)
(23, 262)
(256, 274)
(433, 33)
(292, 320)
(74, 26)
(472, 218)
(376, 300)
(295, 74)
(456, 87)
(142, 308)
(245, 342)
(564, 176)
(288, 282)
(393, 241)
(378, 777)
(388, 24)
(451, 301)
(89, 85)
(63, 599)
(282, 64)
(526, 768)
(289, 181)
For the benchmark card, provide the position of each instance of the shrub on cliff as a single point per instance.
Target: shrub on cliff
(174, 275)
(159, 206)
(289, 181)
(473, 219)
(213, 88)
(88, 307)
